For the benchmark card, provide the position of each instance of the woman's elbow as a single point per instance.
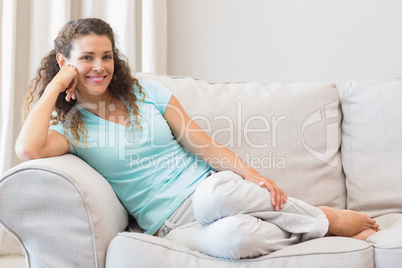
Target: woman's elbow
(25, 153)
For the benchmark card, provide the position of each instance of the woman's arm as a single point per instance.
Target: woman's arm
(191, 136)
(35, 139)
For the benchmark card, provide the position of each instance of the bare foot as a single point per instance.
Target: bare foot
(364, 234)
(348, 222)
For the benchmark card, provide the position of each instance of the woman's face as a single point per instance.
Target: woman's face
(92, 55)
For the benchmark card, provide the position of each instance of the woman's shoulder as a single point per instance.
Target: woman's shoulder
(151, 85)
(155, 93)
(153, 89)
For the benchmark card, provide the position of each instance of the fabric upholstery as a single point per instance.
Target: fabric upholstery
(388, 242)
(62, 211)
(128, 249)
(372, 145)
(288, 132)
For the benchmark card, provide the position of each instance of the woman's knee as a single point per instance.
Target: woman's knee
(213, 196)
(225, 194)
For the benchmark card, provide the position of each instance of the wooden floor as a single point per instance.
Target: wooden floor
(12, 262)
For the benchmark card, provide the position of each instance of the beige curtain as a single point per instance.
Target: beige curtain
(28, 28)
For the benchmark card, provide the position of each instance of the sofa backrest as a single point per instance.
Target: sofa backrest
(289, 132)
(372, 145)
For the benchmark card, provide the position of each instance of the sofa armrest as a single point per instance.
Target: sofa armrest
(62, 212)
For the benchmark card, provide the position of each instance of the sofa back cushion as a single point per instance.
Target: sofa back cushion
(288, 132)
(372, 145)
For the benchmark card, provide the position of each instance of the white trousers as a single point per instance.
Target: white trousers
(232, 218)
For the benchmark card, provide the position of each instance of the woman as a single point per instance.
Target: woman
(137, 135)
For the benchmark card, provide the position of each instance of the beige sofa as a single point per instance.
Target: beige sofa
(65, 214)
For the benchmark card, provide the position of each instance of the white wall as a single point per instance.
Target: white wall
(285, 40)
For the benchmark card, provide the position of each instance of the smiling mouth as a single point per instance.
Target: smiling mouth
(96, 77)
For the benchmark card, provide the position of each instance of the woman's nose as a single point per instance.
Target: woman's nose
(98, 66)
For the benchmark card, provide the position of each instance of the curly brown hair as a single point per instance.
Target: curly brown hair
(121, 85)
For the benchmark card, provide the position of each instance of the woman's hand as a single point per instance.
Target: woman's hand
(278, 196)
(67, 79)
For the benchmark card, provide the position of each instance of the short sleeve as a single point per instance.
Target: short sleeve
(159, 94)
(61, 129)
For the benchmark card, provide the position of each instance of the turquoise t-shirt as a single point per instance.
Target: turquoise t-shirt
(150, 171)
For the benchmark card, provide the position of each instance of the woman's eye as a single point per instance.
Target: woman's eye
(107, 57)
(86, 58)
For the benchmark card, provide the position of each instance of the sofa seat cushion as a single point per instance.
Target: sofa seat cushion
(388, 242)
(128, 249)
(372, 146)
(289, 132)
